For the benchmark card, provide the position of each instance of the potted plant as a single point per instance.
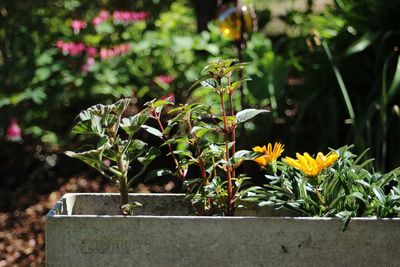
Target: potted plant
(166, 229)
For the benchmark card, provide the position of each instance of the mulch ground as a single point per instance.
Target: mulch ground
(30, 184)
(22, 225)
(22, 230)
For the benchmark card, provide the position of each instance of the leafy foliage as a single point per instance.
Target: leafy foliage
(346, 189)
(113, 153)
(206, 140)
(348, 59)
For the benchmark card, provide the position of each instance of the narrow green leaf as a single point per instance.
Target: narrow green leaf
(362, 43)
(395, 85)
(379, 194)
(340, 81)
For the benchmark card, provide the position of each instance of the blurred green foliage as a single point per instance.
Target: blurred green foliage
(348, 58)
(329, 78)
(39, 84)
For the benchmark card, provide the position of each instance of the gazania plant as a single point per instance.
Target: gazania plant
(338, 184)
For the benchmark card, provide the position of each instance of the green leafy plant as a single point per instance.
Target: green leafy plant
(115, 147)
(339, 184)
(206, 138)
(201, 140)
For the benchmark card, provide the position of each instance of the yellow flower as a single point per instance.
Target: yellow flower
(310, 166)
(270, 155)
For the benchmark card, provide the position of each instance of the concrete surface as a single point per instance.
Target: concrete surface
(165, 236)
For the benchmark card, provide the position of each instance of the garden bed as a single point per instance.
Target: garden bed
(164, 232)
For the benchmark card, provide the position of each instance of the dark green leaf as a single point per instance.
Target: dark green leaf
(92, 157)
(132, 124)
(157, 173)
(135, 149)
(150, 156)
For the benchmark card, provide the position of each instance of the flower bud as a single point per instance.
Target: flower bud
(13, 133)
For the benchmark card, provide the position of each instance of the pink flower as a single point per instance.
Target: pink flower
(110, 53)
(72, 49)
(103, 54)
(88, 65)
(76, 48)
(78, 25)
(91, 51)
(167, 79)
(101, 17)
(117, 50)
(124, 48)
(129, 16)
(60, 44)
(13, 133)
(97, 21)
(104, 15)
(169, 97)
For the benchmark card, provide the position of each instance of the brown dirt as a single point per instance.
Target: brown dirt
(22, 238)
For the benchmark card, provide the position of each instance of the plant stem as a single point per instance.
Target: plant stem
(233, 132)
(214, 167)
(180, 172)
(230, 210)
(204, 176)
(123, 180)
(320, 199)
(123, 189)
(196, 145)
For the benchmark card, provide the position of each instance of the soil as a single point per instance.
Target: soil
(25, 202)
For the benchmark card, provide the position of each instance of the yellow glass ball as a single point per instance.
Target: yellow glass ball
(230, 22)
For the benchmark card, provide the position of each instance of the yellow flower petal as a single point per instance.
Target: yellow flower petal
(292, 162)
(259, 149)
(261, 161)
(271, 154)
(310, 166)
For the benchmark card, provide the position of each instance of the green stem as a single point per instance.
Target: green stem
(320, 199)
(123, 186)
(123, 180)
(123, 189)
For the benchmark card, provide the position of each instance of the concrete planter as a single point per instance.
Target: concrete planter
(86, 230)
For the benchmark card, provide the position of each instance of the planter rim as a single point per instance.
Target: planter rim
(53, 212)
